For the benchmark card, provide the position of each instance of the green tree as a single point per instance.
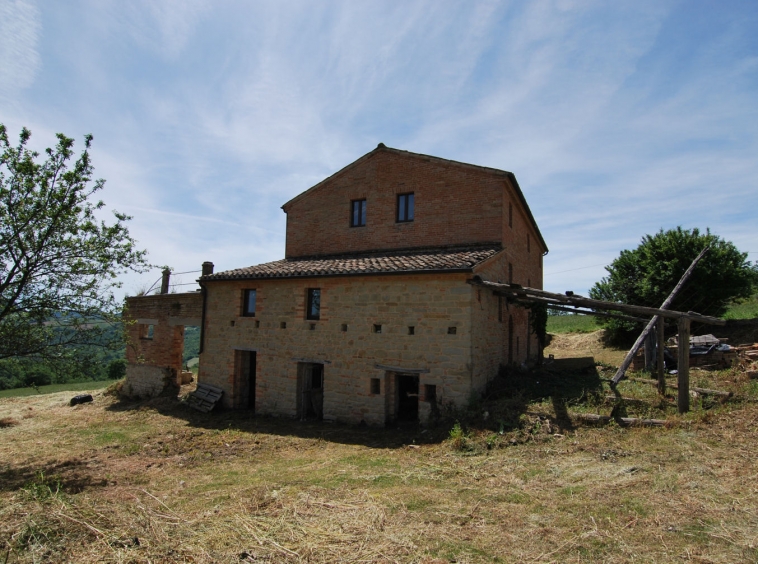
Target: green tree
(58, 263)
(646, 275)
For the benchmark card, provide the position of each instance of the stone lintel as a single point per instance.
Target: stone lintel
(402, 370)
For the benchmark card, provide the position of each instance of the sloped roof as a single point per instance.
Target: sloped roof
(443, 259)
(381, 147)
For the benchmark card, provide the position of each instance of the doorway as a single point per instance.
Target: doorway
(407, 397)
(244, 380)
(310, 384)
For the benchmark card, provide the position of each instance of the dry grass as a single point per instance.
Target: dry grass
(155, 482)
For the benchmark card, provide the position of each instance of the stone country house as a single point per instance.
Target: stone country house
(369, 317)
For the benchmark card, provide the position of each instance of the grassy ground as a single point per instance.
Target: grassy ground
(746, 309)
(54, 388)
(571, 324)
(518, 480)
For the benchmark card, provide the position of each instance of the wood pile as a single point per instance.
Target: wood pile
(706, 352)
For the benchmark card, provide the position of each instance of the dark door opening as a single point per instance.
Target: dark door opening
(244, 385)
(311, 385)
(407, 397)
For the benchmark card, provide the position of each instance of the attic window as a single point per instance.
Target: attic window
(405, 207)
(358, 213)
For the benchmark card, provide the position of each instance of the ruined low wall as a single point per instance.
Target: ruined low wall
(143, 381)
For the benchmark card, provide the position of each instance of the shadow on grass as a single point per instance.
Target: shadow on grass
(70, 476)
(507, 397)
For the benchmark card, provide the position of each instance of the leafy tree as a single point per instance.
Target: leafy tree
(646, 275)
(58, 263)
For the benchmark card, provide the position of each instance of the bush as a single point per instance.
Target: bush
(117, 369)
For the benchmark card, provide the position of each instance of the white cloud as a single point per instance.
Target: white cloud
(19, 59)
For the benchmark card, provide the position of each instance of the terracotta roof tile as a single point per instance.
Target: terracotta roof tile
(433, 260)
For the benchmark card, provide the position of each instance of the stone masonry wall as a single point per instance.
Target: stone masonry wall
(454, 205)
(344, 339)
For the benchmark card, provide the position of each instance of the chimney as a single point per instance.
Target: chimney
(207, 268)
(164, 282)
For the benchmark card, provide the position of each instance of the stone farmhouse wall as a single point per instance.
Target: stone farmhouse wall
(344, 339)
(455, 204)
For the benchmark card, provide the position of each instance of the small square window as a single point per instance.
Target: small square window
(248, 303)
(411, 330)
(358, 213)
(312, 327)
(283, 325)
(405, 207)
(452, 330)
(257, 324)
(376, 387)
(344, 327)
(314, 304)
(146, 332)
(377, 328)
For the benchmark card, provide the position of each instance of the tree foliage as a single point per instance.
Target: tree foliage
(647, 275)
(58, 262)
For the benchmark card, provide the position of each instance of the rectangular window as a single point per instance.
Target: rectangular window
(248, 303)
(430, 393)
(405, 206)
(376, 387)
(146, 332)
(528, 243)
(358, 213)
(510, 273)
(314, 304)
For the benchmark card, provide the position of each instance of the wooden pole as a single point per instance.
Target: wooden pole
(661, 368)
(683, 396)
(638, 343)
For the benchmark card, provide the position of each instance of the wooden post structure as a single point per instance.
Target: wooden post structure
(667, 302)
(683, 397)
(661, 367)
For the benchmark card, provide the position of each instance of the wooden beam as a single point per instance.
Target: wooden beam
(704, 391)
(666, 303)
(595, 418)
(596, 313)
(661, 367)
(683, 369)
(530, 294)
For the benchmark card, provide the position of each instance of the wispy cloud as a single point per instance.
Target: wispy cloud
(19, 59)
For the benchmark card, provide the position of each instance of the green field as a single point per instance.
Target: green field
(746, 309)
(571, 324)
(53, 388)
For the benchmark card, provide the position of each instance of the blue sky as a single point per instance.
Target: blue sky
(617, 118)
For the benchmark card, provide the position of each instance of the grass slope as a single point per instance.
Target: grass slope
(55, 388)
(515, 482)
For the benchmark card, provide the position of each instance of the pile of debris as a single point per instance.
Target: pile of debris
(706, 352)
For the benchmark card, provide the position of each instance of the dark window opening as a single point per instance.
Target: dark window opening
(231, 323)
(146, 332)
(344, 327)
(452, 330)
(377, 328)
(411, 330)
(510, 273)
(257, 324)
(314, 304)
(375, 386)
(358, 213)
(528, 243)
(283, 325)
(510, 214)
(312, 327)
(248, 303)
(405, 207)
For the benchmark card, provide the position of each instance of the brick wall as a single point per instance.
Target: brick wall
(454, 204)
(429, 303)
(167, 314)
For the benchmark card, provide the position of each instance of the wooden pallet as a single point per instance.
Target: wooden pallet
(204, 398)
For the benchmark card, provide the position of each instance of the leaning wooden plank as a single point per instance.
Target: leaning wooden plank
(204, 398)
(595, 418)
(667, 302)
(704, 391)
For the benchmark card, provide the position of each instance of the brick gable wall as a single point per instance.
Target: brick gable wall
(454, 205)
